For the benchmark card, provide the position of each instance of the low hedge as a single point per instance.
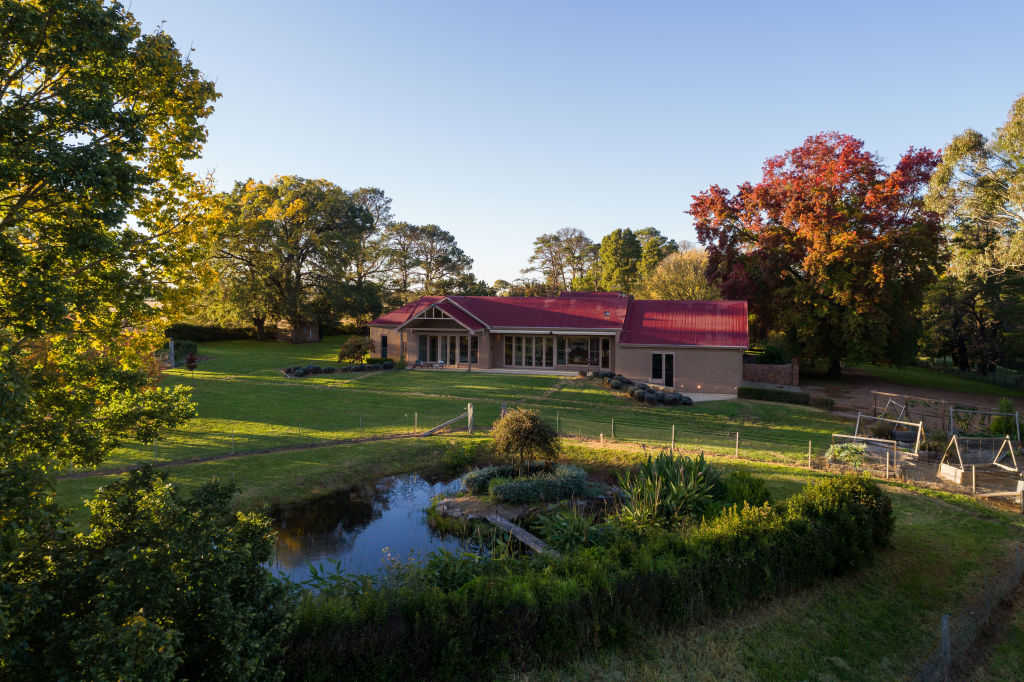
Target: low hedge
(478, 481)
(560, 484)
(778, 395)
(460, 618)
(206, 333)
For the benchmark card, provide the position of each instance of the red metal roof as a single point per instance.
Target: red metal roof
(655, 323)
(686, 323)
(570, 311)
(400, 315)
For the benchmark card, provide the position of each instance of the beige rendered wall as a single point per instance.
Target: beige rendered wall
(714, 370)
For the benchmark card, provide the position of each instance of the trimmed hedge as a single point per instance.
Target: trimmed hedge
(453, 618)
(206, 333)
(478, 481)
(778, 395)
(560, 484)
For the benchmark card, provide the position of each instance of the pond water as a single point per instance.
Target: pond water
(358, 526)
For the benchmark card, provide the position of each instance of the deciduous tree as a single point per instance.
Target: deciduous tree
(682, 276)
(828, 247)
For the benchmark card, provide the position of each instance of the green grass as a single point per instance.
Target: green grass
(922, 377)
(876, 624)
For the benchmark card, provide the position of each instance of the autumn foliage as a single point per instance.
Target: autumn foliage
(829, 248)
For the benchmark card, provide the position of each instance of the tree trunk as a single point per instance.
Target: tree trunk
(835, 369)
(261, 332)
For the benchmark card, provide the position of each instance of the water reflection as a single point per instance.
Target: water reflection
(355, 525)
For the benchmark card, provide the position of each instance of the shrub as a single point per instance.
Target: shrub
(778, 395)
(376, 361)
(822, 402)
(742, 487)
(478, 480)
(1004, 425)
(881, 430)
(546, 486)
(388, 364)
(358, 368)
(355, 348)
(456, 616)
(851, 454)
(299, 372)
(205, 333)
(666, 489)
(615, 384)
(650, 397)
(522, 436)
(568, 530)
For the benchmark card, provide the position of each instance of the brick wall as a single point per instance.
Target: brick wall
(784, 375)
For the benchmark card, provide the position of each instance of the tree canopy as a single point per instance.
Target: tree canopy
(828, 247)
(681, 276)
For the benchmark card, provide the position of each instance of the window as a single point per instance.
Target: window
(528, 351)
(383, 345)
(508, 351)
(517, 358)
(560, 346)
(474, 348)
(453, 342)
(578, 352)
(432, 348)
(657, 365)
(422, 354)
(549, 347)
(606, 352)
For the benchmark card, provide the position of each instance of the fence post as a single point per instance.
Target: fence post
(974, 479)
(737, 443)
(232, 441)
(469, 414)
(298, 425)
(360, 422)
(808, 454)
(672, 443)
(415, 421)
(557, 416)
(946, 653)
(602, 438)
(613, 429)
(502, 410)
(887, 466)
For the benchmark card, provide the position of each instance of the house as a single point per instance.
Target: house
(695, 346)
(309, 333)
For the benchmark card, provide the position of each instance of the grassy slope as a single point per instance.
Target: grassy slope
(922, 377)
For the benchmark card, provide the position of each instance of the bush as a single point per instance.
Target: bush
(206, 333)
(778, 395)
(547, 486)
(742, 487)
(615, 384)
(822, 403)
(355, 349)
(421, 624)
(376, 361)
(850, 454)
(1004, 425)
(457, 457)
(478, 480)
(522, 436)
(388, 364)
(667, 489)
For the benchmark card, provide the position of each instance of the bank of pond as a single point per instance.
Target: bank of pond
(665, 544)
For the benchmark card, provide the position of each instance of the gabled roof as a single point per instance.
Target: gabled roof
(646, 323)
(606, 311)
(686, 323)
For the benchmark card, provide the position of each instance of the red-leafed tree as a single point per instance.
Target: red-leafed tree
(829, 248)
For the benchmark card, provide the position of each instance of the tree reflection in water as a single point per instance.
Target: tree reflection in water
(354, 526)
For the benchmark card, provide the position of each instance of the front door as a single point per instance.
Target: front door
(670, 361)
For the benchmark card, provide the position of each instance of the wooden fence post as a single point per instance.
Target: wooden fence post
(557, 416)
(946, 653)
(974, 479)
(672, 443)
(415, 421)
(887, 466)
(737, 443)
(808, 454)
(469, 416)
(613, 429)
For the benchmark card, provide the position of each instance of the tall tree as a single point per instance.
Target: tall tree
(619, 256)
(371, 256)
(298, 238)
(98, 217)
(654, 248)
(828, 247)
(440, 263)
(974, 312)
(681, 276)
(562, 257)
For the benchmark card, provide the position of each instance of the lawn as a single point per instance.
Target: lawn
(922, 377)
(245, 403)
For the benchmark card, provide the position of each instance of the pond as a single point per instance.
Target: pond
(360, 525)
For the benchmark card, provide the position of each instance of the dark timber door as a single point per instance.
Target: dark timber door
(670, 361)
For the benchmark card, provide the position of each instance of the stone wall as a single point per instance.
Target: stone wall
(783, 375)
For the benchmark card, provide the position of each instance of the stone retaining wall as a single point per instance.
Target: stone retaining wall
(785, 375)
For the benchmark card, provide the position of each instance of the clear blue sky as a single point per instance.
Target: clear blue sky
(500, 121)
